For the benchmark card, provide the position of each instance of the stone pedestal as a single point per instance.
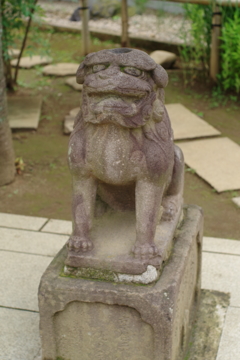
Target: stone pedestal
(83, 319)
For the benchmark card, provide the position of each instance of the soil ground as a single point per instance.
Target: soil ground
(44, 187)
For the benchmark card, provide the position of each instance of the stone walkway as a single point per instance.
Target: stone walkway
(27, 246)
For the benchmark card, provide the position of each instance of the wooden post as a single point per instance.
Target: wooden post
(125, 39)
(85, 30)
(215, 47)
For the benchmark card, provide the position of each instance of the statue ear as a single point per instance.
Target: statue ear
(80, 73)
(160, 76)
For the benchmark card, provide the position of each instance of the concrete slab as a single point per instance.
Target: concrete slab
(61, 69)
(13, 53)
(24, 112)
(236, 201)
(187, 125)
(68, 124)
(164, 58)
(74, 111)
(19, 338)
(22, 221)
(71, 81)
(69, 121)
(58, 227)
(221, 272)
(229, 348)
(215, 160)
(20, 277)
(208, 327)
(224, 246)
(31, 242)
(30, 61)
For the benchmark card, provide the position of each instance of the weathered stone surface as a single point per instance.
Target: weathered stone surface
(187, 125)
(24, 112)
(100, 319)
(31, 242)
(71, 81)
(15, 327)
(208, 327)
(215, 160)
(224, 246)
(30, 61)
(236, 201)
(122, 149)
(21, 221)
(58, 227)
(113, 237)
(20, 276)
(164, 58)
(61, 69)
(214, 278)
(229, 348)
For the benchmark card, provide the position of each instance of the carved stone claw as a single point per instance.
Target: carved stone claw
(145, 251)
(79, 244)
(169, 211)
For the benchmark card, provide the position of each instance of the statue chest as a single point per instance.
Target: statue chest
(113, 154)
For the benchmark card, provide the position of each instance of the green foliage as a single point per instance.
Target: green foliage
(13, 14)
(229, 77)
(197, 55)
(140, 5)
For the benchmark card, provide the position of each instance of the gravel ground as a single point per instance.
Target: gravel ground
(167, 28)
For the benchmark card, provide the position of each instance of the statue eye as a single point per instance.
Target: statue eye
(99, 67)
(132, 71)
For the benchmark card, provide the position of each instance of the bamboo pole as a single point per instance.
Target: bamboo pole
(215, 46)
(125, 38)
(85, 30)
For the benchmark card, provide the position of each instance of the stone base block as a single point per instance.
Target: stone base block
(82, 319)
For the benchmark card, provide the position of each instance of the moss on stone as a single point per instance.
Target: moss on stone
(90, 273)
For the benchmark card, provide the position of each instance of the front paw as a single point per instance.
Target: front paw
(145, 251)
(79, 244)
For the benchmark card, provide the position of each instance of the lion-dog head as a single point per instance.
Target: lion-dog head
(121, 86)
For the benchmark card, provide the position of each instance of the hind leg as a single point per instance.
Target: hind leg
(173, 198)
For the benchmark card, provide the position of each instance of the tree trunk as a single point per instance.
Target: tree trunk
(125, 38)
(7, 157)
(85, 29)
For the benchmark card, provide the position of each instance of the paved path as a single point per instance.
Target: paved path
(27, 246)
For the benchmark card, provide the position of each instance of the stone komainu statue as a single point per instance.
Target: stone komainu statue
(122, 147)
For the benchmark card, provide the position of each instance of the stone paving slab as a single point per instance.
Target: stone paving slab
(30, 242)
(58, 227)
(22, 221)
(20, 278)
(69, 121)
(30, 61)
(215, 160)
(236, 201)
(24, 112)
(187, 125)
(13, 53)
(164, 58)
(221, 272)
(71, 81)
(61, 69)
(229, 348)
(19, 338)
(224, 246)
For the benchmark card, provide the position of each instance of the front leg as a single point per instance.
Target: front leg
(84, 195)
(148, 202)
